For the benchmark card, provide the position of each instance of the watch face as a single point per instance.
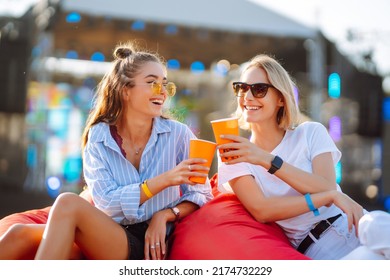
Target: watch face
(176, 211)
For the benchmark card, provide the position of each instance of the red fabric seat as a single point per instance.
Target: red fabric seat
(223, 230)
(36, 216)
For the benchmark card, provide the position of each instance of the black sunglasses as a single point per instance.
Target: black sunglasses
(259, 90)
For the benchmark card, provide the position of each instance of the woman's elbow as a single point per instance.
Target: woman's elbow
(261, 215)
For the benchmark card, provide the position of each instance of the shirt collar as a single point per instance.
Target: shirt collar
(101, 132)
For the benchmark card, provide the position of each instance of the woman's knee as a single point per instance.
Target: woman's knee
(20, 242)
(66, 204)
(20, 233)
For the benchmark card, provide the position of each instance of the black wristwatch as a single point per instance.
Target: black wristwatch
(276, 164)
(176, 211)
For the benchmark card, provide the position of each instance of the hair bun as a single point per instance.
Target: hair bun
(123, 52)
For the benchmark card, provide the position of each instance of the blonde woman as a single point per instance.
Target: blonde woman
(285, 172)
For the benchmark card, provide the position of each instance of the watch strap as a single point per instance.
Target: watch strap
(276, 164)
(176, 211)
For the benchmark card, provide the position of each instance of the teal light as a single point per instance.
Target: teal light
(72, 169)
(338, 170)
(334, 86)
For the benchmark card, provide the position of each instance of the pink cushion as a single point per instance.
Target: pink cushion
(223, 230)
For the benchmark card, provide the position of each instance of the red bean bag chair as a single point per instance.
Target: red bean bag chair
(223, 230)
(34, 216)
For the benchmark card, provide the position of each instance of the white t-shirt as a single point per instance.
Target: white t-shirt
(298, 147)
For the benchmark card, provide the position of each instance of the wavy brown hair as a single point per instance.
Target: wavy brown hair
(107, 106)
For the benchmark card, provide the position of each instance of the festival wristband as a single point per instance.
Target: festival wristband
(311, 205)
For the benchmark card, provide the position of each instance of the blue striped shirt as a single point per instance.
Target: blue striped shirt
(115, 183)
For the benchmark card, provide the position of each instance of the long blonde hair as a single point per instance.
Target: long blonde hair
(288, 115)
(108, 105)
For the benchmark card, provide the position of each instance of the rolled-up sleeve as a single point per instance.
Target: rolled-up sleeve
(198, 194)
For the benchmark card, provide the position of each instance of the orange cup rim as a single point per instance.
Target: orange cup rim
(224, 119)
(202, 140)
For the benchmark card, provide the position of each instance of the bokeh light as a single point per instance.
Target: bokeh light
(372, 191)
(53, 186)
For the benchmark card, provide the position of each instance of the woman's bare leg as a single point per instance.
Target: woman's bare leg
(21, 241)
(72, 219)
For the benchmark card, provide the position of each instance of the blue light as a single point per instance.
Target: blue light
(138, 25)
(197, 67)
(97, 56)
(171, 29)
(53, 186)
(186, 91)
(73, 17)
(386, 203)
(334, 85)
(386, 109)
(220, 69)
(36, 51)
(72, 55)
(173, 64)
(338, 170)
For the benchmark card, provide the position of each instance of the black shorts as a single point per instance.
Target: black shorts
(136, 240)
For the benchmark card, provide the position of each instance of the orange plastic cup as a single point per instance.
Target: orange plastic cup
(223, 127)
(202, 149)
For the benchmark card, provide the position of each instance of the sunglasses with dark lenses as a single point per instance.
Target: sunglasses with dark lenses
(259, 90)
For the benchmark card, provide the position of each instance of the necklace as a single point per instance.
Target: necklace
(137, 151)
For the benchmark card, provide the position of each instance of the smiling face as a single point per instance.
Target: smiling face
(258, 110)
(140, 97)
